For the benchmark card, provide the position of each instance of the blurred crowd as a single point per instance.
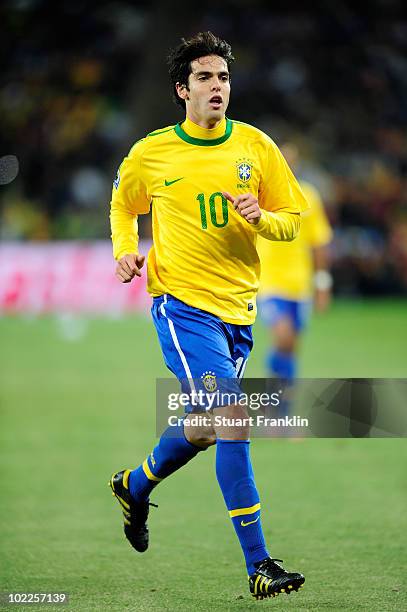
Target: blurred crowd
(330, 78)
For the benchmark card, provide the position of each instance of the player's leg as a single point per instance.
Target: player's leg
(283, 319)
(132, 488)
(236, 480)
(286, 333)
(282, 360)
(279, 315)
(179, 333)
(233, 466)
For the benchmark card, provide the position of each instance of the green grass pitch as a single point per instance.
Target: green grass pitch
(74, 411)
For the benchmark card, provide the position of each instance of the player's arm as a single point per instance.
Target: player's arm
(322, 278)
(282, 225)
(320, 236)
(129, 198)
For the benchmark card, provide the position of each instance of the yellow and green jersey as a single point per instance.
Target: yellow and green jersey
(204, 253)
(287, 268)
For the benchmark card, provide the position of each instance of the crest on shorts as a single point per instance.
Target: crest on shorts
(244, 170)
(209, 381)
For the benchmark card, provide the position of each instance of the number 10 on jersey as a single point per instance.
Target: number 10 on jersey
(217, 203)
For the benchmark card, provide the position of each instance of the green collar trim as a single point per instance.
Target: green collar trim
(202, 142)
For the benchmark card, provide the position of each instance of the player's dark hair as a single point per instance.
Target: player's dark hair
(180, 58)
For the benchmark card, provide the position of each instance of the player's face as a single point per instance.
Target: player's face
(208, 92)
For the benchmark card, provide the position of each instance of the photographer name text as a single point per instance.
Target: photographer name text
(200, 420)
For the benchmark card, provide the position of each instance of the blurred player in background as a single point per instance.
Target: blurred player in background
(203, 273)
(294, 279)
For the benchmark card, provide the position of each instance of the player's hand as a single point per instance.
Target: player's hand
(129, 266)
(246, 205)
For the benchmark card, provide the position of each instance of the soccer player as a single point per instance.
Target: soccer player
(293, 276)
(214, 185)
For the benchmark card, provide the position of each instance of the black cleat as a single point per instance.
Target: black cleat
(135, 514)
(270, 579)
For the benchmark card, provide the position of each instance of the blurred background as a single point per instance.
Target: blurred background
(80, 84)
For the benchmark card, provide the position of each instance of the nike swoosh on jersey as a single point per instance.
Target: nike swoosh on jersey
(243, 524)
(168, 183)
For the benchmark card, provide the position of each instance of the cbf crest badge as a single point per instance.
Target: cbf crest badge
(244, 169)
(209, 381)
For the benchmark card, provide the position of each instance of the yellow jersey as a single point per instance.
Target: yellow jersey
(287, 268)
(204, 253)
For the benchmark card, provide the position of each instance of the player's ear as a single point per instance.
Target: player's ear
(182, 90)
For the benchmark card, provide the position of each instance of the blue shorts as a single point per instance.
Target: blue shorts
(272, 309)
(201, 350)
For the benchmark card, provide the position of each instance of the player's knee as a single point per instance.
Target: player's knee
(201, 439)
(286, 342)
(285, 336)
(287, 346)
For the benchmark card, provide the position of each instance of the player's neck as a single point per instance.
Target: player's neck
(201, 130)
